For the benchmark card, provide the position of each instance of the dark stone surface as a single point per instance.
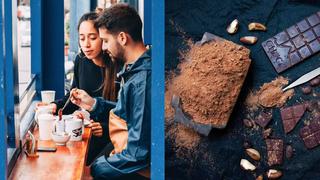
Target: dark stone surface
(218, 155)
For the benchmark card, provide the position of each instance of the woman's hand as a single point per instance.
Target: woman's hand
(96, 128)
(82, 99)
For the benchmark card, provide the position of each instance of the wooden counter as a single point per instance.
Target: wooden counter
(68, 162)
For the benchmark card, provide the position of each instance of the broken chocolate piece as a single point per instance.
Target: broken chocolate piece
(266, 133)
(264, 118)
(310, 134)
(291, 115)
(274, 151)
(312, 106)
(306, 90)
(289, 151)
(294, 44)
(247, 144)
(315, 81)
(248, 123)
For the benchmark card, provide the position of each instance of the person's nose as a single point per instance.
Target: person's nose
(87, 43)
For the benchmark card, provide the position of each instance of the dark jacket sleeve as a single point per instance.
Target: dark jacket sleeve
(70, 108)
(102, 108)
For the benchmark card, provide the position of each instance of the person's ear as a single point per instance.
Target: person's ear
(122, 38)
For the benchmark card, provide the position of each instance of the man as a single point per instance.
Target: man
(120, 28)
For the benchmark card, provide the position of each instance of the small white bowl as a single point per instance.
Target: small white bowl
(60, 138)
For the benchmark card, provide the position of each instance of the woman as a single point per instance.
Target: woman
(95, 73)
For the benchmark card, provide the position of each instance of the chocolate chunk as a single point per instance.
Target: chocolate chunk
(264, 118)
(248, 123)
(274, 151)
(310, 134)
(289, 151)
(312, 106)
(305, 36)
(266, 133)
(315, 81)
(291, 115)
(247, 145)
(306, 90)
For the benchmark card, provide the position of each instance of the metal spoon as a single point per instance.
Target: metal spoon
(61, 109)
(303, 79)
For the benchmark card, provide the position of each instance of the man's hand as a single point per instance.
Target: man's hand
(96, 128)
(82, 99)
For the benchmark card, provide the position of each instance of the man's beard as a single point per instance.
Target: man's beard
(119, 57)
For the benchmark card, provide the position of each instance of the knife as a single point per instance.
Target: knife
(303, 79)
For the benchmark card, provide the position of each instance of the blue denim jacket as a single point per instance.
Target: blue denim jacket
(134, 109)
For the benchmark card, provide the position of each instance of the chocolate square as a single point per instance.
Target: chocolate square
(292, 31)
(315, 45)
(298, 41)
(295, 58)
(304, 52)
(309, 35)
(317, 30)
(313, 20)
(303, 25)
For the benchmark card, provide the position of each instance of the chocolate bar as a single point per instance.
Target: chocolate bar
(310, 134)
(274, 151)
(294, 44)
(291, 115)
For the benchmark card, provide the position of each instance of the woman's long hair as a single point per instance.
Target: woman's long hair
(108, 86)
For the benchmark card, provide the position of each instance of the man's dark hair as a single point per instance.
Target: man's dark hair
(121, 17)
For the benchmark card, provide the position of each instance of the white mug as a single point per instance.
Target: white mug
(75, 128)
(45, 122)
(48, 96)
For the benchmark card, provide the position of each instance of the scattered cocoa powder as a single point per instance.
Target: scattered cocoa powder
(270, 95)
(210, 80)
(183, 138)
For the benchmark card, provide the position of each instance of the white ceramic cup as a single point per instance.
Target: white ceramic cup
(48, 96)
(75, 128)
(45, 122)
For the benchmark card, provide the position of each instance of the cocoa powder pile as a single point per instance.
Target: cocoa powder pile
(210, 80)
(269, 95)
